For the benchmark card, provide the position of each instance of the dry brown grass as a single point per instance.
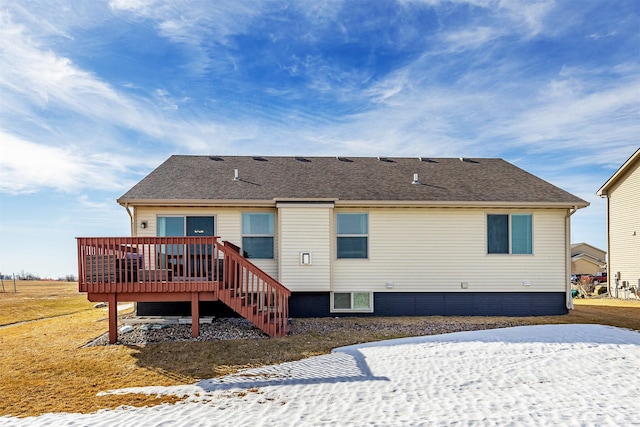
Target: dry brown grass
(31, 300)
(46, 368)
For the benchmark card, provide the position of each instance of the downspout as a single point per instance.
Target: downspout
(567, 232)
(133, 227)
(126, 206)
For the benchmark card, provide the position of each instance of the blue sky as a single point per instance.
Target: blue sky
(94, 95)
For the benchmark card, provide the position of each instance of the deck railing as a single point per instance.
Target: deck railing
(184, 268)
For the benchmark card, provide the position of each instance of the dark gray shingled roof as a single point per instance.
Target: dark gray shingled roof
(446, 180)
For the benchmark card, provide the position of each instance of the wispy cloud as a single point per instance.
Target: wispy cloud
(36, 80)
(27, 167)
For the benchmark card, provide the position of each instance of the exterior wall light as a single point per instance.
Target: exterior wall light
(143, 224)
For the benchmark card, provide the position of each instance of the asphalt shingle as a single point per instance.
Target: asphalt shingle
(192, 178)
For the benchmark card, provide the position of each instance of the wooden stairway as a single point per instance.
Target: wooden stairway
(254, 294)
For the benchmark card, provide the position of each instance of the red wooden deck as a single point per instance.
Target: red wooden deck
(149, 269)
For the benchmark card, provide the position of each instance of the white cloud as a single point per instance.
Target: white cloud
(472, 38)
(35, 79)
(192, 22)
(27, 167)
(528, 15)
(87, 204)
(608, 117)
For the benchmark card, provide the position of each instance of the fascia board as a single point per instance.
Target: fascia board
(195, 202)
(350, 203)
(470, 204)
(604, 190)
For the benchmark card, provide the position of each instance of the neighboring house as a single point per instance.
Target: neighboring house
(373, 236)
(622, 191)
(587, 259)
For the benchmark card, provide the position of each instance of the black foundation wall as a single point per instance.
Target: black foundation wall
(317, 304)
(183, 308)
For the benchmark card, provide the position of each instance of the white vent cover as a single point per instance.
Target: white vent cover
(305, 258)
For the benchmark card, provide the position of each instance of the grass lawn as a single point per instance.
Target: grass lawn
(34, 300)
(45, 368)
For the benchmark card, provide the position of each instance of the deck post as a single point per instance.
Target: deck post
(195, 314)
(113, 318)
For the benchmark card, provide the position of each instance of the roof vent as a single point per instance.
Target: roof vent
(426, 160)
(236, 175)
(386, 159)
(216, 158)
(259, 159)
(344, 159)
(302, 159)
(467, 160)
(416, 181)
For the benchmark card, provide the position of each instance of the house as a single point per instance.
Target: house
(587, 259)
(622, 192)
(345, 236)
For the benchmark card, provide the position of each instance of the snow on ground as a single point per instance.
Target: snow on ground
(570, 375)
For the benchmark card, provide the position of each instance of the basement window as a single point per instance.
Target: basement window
(352, 302)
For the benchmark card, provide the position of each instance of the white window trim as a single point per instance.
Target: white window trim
(352, 310)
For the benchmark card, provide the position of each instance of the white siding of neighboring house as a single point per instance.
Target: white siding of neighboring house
(428, 249)
(305, 228)
(624, 229)
(227, 223)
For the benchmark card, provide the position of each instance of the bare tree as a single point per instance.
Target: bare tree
(585, 285)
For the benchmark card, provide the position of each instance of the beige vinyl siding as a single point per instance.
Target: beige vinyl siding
(305, 229)
(227, 222)
(583, 266)
(624, 228)
(583, 248)
(434, 250)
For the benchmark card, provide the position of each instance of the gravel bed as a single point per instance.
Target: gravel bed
(393, 327)
(219, 329)
(237, 328)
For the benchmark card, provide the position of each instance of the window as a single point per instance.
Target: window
(352, 301)
(352, 230)
(179, 226)
(257, 235)
(170, 226)
(510, 234)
